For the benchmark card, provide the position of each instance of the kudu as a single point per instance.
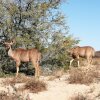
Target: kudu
(87, 52)
(22, 55)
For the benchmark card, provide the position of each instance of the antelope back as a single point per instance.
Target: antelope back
(83, 51)
(26, 55)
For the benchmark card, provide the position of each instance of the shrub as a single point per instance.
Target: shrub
(78, 97)
(7, 96)
(83, 76)
(30, 83)
(20, 79)
(35, 86)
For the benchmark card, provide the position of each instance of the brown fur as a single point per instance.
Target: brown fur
(87, 52)
(22, 55)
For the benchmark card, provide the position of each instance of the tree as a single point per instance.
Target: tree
(36, 23)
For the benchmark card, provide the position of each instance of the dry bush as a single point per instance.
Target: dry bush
(20, 79)
(78, 97)
(35, 86)
(96, 61)
(51, 78)
(58, 72)
(7, 96)
(55, 74)
(30, 84)
(83, 76)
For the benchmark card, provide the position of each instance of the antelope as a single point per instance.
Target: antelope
(22, 55)
(87, 52)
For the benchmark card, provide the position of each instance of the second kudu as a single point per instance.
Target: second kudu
(87, 52)
(22, 55)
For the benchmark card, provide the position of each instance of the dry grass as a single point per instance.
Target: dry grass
(7, 96)
(78, 97)
(96, 61)
(83, 76)
(56, 74)
(20, 79)
(35, 86)
(30, 84)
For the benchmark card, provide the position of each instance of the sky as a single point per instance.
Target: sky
(83, 18)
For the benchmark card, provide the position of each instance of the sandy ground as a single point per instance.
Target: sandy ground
(59, 89)
(62, 90)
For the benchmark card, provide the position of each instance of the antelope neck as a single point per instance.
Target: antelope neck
(10, 52)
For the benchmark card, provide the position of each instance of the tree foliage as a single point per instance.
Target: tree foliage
(39, 24)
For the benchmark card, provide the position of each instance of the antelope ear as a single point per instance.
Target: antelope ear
(5, 43)
(13, 40)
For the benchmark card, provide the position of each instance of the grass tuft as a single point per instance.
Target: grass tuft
(78, 97)
(83, 76)
(35, 86)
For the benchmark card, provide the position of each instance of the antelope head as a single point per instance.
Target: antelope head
(8, 44)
